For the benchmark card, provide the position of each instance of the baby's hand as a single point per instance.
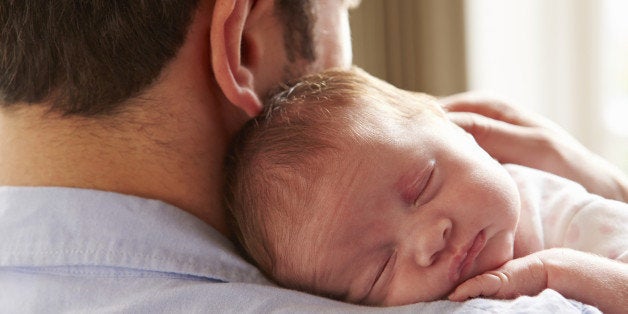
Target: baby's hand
(523, 276)
(577, 275)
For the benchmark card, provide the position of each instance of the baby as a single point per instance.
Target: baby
(350, 188)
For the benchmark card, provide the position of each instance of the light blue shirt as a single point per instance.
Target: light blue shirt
(77, 250)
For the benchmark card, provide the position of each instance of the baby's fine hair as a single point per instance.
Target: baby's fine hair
(278, 160)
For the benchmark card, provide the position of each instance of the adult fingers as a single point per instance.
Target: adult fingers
(488, 107)
(505, 142)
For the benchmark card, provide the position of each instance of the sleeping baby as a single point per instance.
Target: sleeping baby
(350, 188)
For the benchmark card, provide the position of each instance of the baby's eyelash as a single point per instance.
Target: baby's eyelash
(423, 186)
(381, 270)
(385, 267)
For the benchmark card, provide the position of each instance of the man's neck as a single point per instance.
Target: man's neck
(177, 160)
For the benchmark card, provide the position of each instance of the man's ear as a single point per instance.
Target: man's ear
(229, 55)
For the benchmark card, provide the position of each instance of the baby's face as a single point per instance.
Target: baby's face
(410, 216)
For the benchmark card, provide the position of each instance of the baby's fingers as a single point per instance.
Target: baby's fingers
(482, 285)
(522, 276)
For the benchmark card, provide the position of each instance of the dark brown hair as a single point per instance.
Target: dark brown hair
(298, 21)
(86, 57)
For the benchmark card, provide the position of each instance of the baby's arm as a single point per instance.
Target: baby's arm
(577, 275)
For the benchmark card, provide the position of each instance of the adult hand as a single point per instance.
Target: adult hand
(512, 135)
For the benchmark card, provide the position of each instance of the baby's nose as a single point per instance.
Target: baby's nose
(432, 241)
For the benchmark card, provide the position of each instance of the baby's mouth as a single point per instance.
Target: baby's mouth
(462, 262)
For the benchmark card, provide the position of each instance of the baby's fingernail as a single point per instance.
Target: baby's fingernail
(453, 297)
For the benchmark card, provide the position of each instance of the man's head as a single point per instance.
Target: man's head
(89, 57)
(151, 91)
(348, 187)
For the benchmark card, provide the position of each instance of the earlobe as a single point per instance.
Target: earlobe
(230, 66)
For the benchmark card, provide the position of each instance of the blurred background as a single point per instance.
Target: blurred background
(565, 59)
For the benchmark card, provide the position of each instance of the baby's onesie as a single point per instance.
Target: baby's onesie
(564, 214)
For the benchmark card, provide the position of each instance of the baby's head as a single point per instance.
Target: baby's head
(348, 187)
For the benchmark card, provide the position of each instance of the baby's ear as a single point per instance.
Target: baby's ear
(230, 54)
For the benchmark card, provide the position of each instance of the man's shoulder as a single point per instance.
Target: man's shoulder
(36, 291)
(75, 229)
(168, 295)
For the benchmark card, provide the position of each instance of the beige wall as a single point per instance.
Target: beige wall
(414, 44)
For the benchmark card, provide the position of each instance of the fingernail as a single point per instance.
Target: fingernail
(452, 297)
